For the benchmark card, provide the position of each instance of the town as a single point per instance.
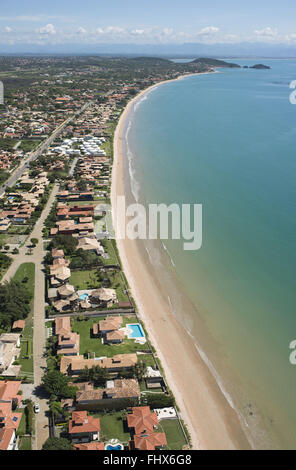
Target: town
(77, 368)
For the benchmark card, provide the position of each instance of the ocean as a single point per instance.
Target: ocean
(227, 141)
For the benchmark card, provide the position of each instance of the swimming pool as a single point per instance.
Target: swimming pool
(116, 447)
(136, 331)
(83, 296)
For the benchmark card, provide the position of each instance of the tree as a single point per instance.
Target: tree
(34, 241)
(159, 400)
(56, 408)
(57, 384)
(139, 370)
(64, 242)
(14, 303)
(57, 443)
(98, 375)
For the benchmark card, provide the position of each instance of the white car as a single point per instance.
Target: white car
(36, 408)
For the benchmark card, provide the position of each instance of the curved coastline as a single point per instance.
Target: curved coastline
(211, 421)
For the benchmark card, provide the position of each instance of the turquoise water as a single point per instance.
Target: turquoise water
(117, 447)
(137, 331)
(227, 141)
(84, 296)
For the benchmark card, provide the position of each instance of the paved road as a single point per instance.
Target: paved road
(42, 147)
(39, 338)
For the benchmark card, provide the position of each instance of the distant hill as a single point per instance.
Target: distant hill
(260, 67)
(215, 63)
(152, 60)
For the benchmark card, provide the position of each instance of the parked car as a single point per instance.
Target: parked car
(36, 408)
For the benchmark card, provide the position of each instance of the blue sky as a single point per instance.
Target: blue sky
(149, 22)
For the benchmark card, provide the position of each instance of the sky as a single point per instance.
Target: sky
(37, 23)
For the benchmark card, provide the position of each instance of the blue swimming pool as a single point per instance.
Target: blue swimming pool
(137, 331)
(83, 296)
(117, 447)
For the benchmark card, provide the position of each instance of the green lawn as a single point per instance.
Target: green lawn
(89, 344)
(27, 270)
(25, 443)
(108, 245)
(22, 426)
(89, 280)
(112, 427)
(17, 229)
(84, 279)
(174, 434)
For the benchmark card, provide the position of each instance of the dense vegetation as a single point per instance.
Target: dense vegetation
(15, 301)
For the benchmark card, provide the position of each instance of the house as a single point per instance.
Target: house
(18, 325)
(60, 276)
(68, 342)
(142, 420)
(9, 420)
(56, 254)
(90, 446)
(110, 324)
(113, 396)
(104, 297)
(90, 244)
(9, 352)
(74, 366)
(109, 330)
(153, 441)
(115, 337)
(153, 378)
(84, 428)
(64, 298)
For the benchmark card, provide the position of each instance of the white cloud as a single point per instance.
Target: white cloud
(81, 30)
(266, 32)
(48, 29)
(209, 30)
(7, 29)
(138, 32)
(114, 30)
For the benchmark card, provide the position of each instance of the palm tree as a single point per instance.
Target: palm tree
(55, 408)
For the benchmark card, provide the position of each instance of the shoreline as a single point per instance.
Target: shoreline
(210, 420)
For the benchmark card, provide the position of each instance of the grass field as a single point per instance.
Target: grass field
(22, 426)
(89, 280)
(89, 344)
(84, 279)
(112, 427)
(25, 443)
(174, 434)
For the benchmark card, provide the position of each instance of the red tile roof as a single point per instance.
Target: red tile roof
(142, 420)
(90, 446)
(80, 422)
(149, 441)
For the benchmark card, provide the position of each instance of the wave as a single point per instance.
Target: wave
(169, 255)
(135, 186)
(143, 98)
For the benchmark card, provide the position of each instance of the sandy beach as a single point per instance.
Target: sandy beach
(211, 421)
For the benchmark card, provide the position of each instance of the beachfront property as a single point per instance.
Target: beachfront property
(115, 395)
(74, 366)
(109, 330)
